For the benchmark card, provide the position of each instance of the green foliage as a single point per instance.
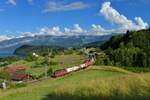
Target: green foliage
(49, 71)
(9, 84)
(30, 58)
(9, 58)
(137, 69)
(114, 42)
(102, 60)
(19, 85)
(4, 61)
(48, 61)
(99, 84)
(125, 56)
(131, 49)
(4, 75)
(69, 51)
(94, 44)
(40, 50)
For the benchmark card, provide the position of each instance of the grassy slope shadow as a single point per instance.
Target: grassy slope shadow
(116, 96)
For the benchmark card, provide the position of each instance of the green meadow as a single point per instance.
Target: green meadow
(94, 83)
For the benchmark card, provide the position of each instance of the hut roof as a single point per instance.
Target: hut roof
(19, 77)
(15, 68)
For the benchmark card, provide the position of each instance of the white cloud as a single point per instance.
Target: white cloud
(26, 34)
(4, 37)
(111, 14)
(13, 2)
(60, 6)
(97, 28)
(120, 20)
(50, 31)
(76, 30)
(67, 30)
(55, 31)
(141, 23)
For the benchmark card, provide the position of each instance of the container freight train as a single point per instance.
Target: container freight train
(62, 72)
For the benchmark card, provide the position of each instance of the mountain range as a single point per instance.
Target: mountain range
(7, 47)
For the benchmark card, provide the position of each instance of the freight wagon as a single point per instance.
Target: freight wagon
(62, 72)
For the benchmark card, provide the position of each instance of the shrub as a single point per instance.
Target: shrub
(49, 71)
(18, 85)
(103, 60)
(30, 58)
(4, 75)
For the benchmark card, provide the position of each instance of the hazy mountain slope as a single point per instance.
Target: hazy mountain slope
(28, 49)
(9, 46)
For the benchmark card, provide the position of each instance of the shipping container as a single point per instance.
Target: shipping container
(75, 68)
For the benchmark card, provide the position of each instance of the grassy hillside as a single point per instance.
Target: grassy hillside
(95, 83)
(37, 67)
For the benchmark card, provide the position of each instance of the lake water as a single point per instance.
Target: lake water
(6, 54)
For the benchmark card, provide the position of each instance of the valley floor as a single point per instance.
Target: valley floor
(94, 83)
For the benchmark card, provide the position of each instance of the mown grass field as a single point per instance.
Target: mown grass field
(62, 61)
(94, 83)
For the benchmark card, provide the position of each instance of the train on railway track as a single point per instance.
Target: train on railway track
(90, 61)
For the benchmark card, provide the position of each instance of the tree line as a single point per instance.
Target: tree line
(131, 49)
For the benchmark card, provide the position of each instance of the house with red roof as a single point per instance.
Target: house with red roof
(18, 72)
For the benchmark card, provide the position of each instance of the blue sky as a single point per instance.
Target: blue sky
(75, 16)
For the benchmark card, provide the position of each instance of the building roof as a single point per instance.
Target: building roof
(19, 77)
(17, 72)
(15, 68)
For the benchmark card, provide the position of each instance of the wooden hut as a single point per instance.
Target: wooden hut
(17, 72)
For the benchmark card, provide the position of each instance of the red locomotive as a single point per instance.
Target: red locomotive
(59, 73)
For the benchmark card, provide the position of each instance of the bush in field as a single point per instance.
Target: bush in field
(30, 58)
(5, 63)
(103, 60)
(48, 61)
(4, 75)
(18, 85)
(49, 71)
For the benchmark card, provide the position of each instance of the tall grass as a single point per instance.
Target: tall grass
(136, 87)
(129, 86)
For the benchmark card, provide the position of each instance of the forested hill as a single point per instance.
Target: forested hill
(139, 39)
(28, 49)
(131, 49)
